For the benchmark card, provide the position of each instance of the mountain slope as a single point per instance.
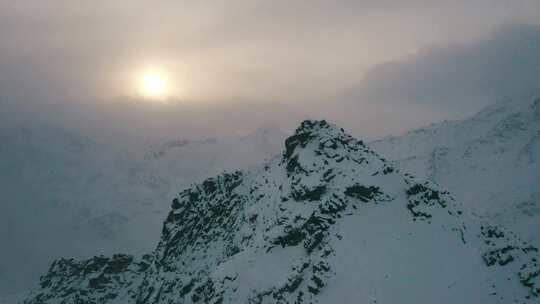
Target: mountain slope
(490, 162)
(328, 221)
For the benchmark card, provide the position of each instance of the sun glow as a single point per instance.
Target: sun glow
(153, 85)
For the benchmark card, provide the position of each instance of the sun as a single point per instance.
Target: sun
(153, 85)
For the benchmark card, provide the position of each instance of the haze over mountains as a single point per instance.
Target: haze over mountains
(78, 197)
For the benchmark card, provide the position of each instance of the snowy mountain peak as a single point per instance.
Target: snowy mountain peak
(321, 132)
(318, 143)
(328, 221)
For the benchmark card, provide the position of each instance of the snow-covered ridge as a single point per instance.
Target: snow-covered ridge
(490, 162)
(328, 221)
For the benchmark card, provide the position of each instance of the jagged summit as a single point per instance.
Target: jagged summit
(326, 144)
(323, 132)
(327, 221)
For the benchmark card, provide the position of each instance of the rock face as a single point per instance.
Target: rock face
(97, 280)
(328, 221)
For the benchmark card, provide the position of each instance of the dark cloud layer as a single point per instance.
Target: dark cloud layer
(460, 78)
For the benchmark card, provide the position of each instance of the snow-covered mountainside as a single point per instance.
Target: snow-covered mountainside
(490, 162)
(95, 196)
(328, 221)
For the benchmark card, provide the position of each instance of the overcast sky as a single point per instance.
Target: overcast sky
(302, 57)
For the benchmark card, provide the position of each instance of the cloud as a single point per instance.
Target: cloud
(286, 51)
(460, 78)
